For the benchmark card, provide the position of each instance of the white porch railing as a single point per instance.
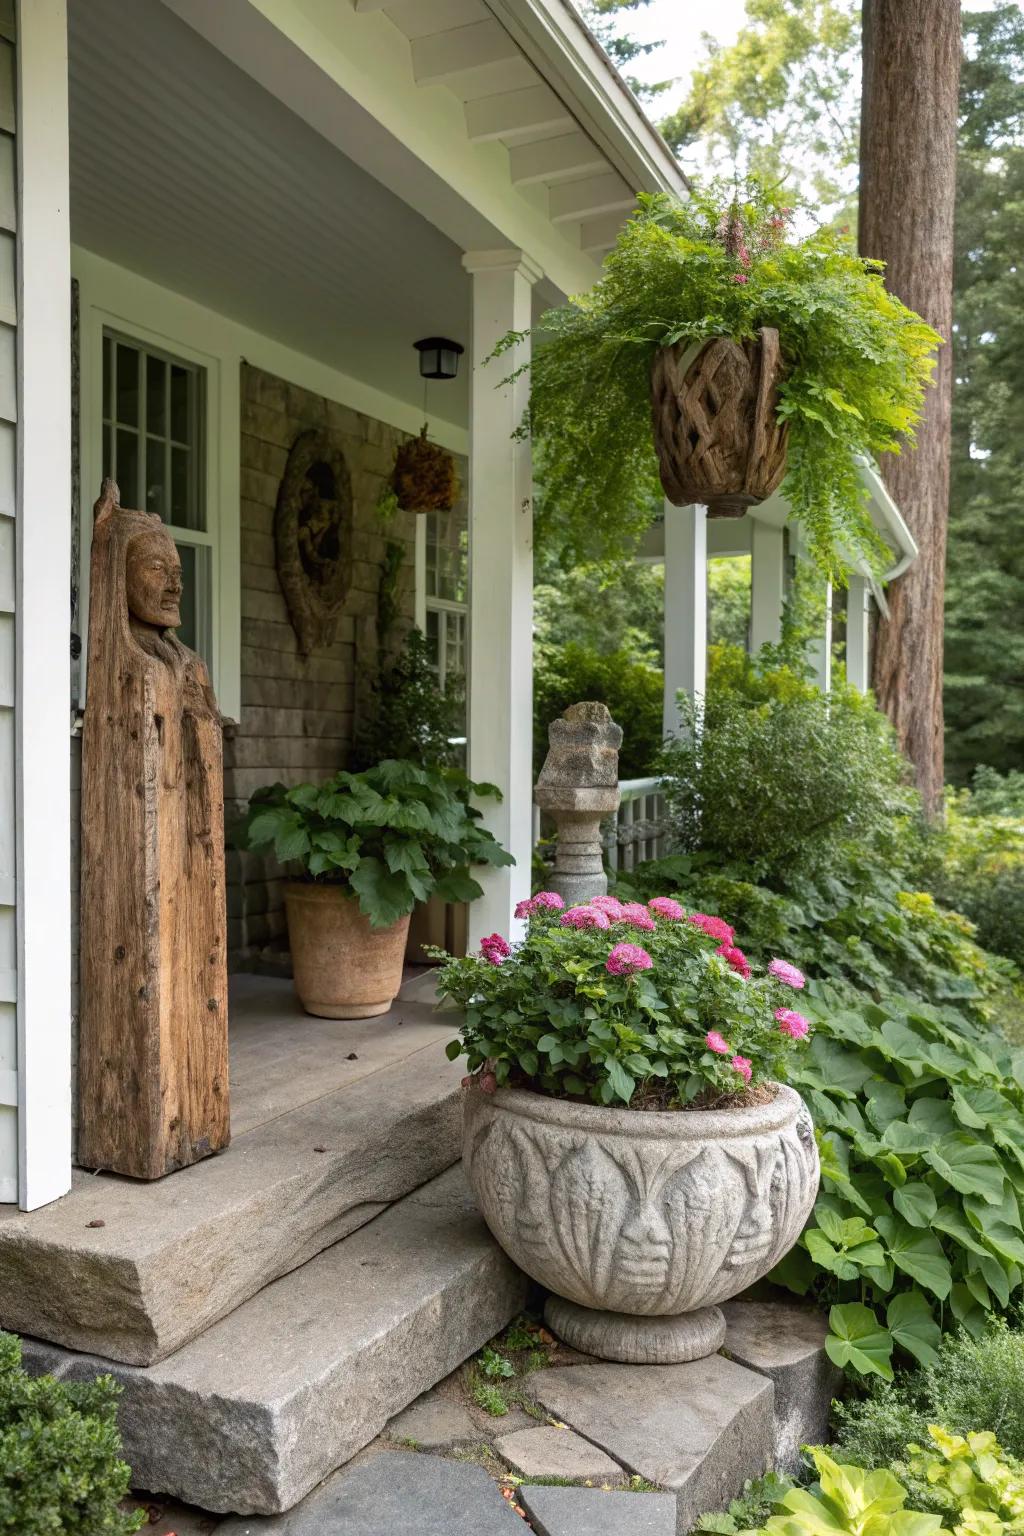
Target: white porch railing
(640, 828)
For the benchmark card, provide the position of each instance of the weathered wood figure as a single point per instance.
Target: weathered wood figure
(153, 1049)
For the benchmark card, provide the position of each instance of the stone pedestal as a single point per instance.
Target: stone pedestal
(579, 786)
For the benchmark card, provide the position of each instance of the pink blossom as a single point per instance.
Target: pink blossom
(549, 899)
(664, 906)
(637, 916)
(610, 904)
(736, 958)
(717, 1043)
(792, 1023)
(584, 917)
(626, 959)
(742, 1065)
(714, 927)
(784, 972)
(740, 277)
(495, 949)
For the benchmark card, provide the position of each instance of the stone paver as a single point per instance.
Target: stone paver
(590, 1512)
(699, 1429)
(786, 1343)
(401, 1493)
(434, 1423)
(548, 1452)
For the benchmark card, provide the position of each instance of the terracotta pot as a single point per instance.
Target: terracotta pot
(640, 1221)
(717, 436)
(344, 969)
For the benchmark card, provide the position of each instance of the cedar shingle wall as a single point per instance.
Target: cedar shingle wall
(299, 713)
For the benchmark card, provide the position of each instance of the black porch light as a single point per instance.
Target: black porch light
(439, 358)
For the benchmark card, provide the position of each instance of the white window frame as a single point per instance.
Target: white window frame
(170, 324)
(440, 605)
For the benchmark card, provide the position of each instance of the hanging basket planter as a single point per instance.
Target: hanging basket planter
(424, 478)
(718, 438)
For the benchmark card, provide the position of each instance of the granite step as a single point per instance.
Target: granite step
(334, 1121)
(258, 1410)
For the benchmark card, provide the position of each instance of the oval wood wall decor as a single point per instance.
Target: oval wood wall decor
(313, 538)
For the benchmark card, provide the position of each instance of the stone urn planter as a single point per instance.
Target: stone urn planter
(343, 967)
(640, 1221)
(717, 436)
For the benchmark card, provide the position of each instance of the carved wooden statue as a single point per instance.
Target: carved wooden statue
(153, 1048)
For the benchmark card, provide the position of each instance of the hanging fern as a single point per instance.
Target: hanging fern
(857, 362)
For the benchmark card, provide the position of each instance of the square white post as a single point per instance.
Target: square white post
(767, 584)
(500, 580)
(42, 654)
(686, 608)
(858, 630)
(820, 649)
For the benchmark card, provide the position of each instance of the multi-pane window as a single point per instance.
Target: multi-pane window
(154, 443)
(447, 594)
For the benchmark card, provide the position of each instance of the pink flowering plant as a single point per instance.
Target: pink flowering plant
(624, 1003)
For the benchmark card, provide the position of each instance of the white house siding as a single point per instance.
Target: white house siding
(8, 456)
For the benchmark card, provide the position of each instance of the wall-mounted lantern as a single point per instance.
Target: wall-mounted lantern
(439, 358)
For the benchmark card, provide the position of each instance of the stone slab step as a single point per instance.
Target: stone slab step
(258, 1410)
(132, 1271)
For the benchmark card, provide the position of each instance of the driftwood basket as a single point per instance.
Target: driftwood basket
(716, 433)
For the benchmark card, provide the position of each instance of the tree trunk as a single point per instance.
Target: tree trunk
(907, 188)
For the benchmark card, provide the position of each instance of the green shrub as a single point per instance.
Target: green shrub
(631, 689)
(773, 776)
(975, 860)
(411, 717)
(60, 1454)
(972, 1384)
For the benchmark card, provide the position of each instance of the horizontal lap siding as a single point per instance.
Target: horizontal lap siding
(299, 714)
(8, 491)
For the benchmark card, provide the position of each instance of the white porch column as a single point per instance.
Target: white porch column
(820, 649)
(686, 608)
(42, 667)
(500, 693)
(858, 629)
(767, 584)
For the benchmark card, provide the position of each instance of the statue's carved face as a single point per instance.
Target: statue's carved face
(153, 580)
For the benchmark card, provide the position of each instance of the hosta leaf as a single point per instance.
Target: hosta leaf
(969, 1167)
(857, 1338)
(934, 1115)
(952, 1221)
(917, 1254)
(906, 1139)
(916, 1203)
(967, 1311)
(913, 1326)
(892, 1169)
(842, 1071)
(885, 1103)
(994, 1275)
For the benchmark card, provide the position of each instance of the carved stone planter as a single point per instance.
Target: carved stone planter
(640, 1221)
(718, 439)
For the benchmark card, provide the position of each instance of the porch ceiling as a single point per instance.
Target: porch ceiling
(186, 170)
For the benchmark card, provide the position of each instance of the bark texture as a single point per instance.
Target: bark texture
(907, 190)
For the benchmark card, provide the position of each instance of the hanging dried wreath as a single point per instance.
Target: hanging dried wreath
(424, 478)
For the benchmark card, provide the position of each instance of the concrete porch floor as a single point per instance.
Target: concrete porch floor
(282, 1058)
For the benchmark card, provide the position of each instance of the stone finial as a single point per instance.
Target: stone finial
(579, 785)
